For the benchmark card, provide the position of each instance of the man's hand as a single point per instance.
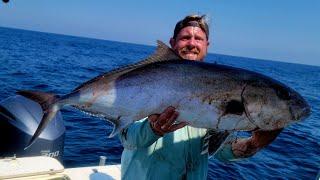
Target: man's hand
(247, 147)
(165, 122)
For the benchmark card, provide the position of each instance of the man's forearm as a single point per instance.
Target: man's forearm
(239, 148)
(138, 135)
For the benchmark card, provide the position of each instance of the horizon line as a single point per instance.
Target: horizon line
(102, 39)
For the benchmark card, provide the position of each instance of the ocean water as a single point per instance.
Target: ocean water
(58, 63)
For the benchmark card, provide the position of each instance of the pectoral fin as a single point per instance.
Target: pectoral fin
(213, 140)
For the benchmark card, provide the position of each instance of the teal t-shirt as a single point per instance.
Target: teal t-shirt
(176, 155)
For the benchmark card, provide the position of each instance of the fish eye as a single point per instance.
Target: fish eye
(283, 94)
(234, 107)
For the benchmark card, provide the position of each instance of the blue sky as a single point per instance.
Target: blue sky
(280, 30)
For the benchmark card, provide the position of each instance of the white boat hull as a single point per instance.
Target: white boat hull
(42, 167)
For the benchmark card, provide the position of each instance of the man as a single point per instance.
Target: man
(159, 148)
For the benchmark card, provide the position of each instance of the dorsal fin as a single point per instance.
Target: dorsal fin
(162, 53)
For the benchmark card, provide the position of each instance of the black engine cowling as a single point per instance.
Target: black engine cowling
(19, 119)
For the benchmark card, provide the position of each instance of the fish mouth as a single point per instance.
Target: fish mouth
(306, 113)
(301, 113)
(299, 108)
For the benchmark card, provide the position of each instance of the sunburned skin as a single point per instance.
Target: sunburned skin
(191, 43)
(243, 148)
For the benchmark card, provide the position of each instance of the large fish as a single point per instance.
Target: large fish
(206, 95)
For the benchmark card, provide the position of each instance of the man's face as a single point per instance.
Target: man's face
(191, 43)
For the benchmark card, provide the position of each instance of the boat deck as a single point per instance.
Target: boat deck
(42, 167)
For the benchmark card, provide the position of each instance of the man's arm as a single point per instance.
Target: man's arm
(145, 132)
(235, 149)
(138, 135)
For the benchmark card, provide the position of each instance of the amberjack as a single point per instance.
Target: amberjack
(206, 95)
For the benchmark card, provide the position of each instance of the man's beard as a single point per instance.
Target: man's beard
(188, 53)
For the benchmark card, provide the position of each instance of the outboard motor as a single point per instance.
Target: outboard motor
(19, 119)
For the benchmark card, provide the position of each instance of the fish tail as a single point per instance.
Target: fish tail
(50, 107)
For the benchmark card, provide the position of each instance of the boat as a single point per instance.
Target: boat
(19, 118)
(48, 168)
